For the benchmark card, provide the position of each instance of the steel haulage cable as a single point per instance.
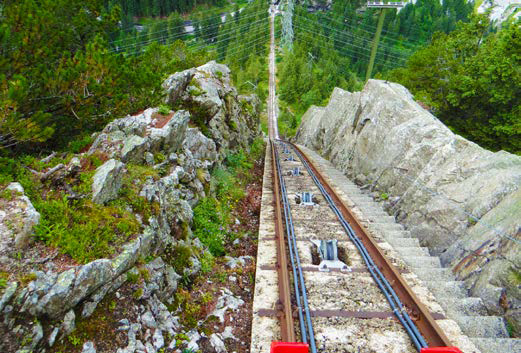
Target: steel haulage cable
(306, 326)
(391, 296)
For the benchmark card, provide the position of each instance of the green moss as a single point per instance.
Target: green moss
(144, 273)
(132, 277)
(233, 125)
(159, 157)
(200, 173)
(195, 92)
(26, 278)
(190, 311)
(138, 293)
(9, 195)
(195, 83)
(514, 277)
(247, 107)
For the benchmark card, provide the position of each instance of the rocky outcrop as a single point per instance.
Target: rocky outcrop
(220, 113)
(460, 200)
(182, 156)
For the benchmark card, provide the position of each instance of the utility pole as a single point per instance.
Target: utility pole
(382, 6)
(287, 25)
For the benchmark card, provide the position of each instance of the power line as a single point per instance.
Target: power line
(372, 28)
(347, 43)
(353, 54)
(344, 32)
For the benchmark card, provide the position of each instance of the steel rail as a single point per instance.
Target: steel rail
(284, 305)
(395, 303)
(424, 331)
(299, 285)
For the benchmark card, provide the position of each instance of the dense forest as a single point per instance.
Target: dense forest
(152, 8)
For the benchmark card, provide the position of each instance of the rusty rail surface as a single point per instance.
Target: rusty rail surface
(284, 304)
(418, 312)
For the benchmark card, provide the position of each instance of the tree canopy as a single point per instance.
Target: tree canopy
(472, 80)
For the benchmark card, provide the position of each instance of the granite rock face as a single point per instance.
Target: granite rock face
(460, 200)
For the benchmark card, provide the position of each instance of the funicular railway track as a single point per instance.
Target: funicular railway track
(357, 309)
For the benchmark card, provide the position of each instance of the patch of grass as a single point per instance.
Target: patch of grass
(130, 188)
(209, 225)
(212, 215)
(195, 92)
(257, 149)
(3, 283)
(384, 196)
(9, 195)
(510, 328)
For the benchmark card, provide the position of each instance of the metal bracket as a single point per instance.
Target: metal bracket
(328, 251)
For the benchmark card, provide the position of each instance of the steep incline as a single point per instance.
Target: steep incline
(460, 200)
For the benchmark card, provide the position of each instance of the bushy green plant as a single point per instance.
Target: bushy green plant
(178, 256)
(163, 109)
(207, 262)
(257, 149)
(82, 229)
(227, 186)
(209, 225)
(78, 144)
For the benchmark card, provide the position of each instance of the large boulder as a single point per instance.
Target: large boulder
(18, 217)
(460, 200)
(107, 181)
